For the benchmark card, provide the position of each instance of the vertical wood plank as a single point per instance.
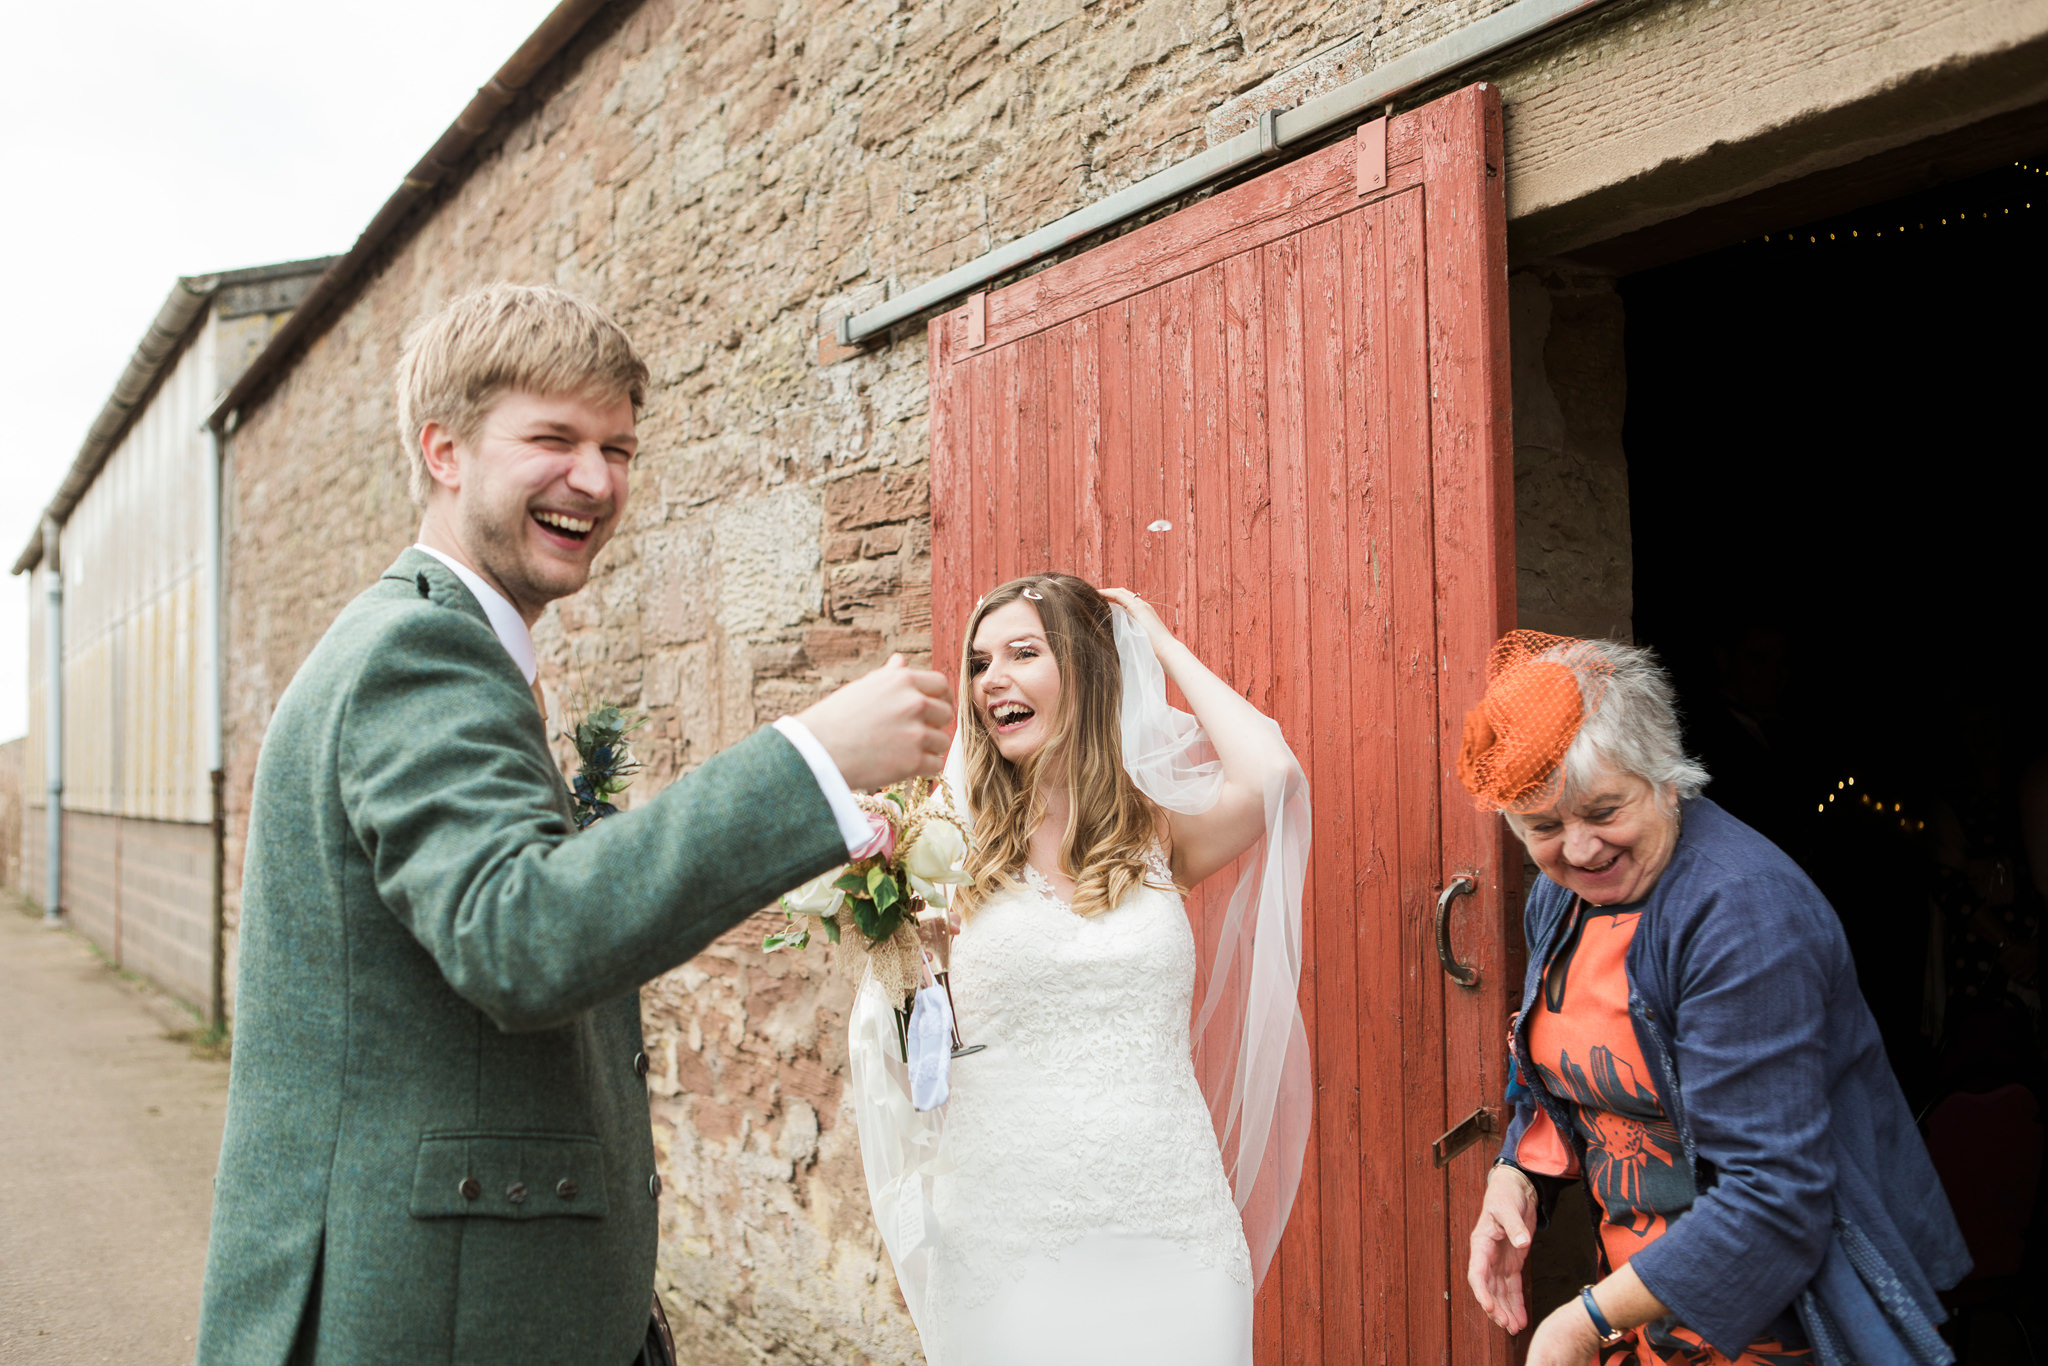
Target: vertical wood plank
(1170, 551)
(1149, 322)
(1416, 790)
(1060, 471)
(1376, 757)
(1287, 592)
(1085, 547)
(952, 488)
(982, 402)
(1249, 525)
(1324, 661)
(1472, 479)
(1115, 364)
(1205, 538)
(1247, 541)
(1033, 450)
(1007, 380)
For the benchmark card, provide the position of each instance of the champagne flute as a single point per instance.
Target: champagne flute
(936, 935)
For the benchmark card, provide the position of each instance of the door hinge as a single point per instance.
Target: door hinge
(1484, 1120)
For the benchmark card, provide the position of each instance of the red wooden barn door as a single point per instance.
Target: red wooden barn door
(1282, 415)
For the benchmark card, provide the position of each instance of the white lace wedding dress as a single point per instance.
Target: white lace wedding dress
(1082, 1210)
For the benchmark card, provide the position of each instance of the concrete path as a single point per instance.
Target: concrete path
(109, 1133)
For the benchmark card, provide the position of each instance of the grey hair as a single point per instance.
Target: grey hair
(1632, 728)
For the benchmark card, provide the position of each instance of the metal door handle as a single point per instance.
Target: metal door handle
(1463, 975)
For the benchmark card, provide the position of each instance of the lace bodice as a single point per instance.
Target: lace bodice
(1084, 1112)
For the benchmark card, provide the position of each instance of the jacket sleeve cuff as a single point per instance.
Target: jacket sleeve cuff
(852, 821)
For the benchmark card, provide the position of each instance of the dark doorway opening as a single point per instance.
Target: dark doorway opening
(1838, 466)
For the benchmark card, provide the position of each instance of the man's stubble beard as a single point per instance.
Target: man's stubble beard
(502, 554)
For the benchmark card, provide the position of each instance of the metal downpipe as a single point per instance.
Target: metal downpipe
(216, 481)
(53, 724)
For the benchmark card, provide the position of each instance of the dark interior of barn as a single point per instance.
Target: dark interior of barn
(1838, 470)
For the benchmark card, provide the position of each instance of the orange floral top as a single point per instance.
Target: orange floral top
(1584, 1044)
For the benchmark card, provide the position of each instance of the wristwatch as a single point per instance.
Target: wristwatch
(1609, 1334)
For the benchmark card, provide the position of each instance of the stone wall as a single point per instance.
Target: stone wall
(1573, 562)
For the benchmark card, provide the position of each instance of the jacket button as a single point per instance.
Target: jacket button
(654, 1185)
(567, 1189)
(640, 1064)
(516, 1192)
(469, 1188)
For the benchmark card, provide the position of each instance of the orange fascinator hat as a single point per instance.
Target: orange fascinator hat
(1539, 689)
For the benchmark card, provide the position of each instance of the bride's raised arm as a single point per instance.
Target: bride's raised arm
(1247, 743)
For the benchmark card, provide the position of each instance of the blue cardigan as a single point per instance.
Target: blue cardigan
(1816, 1191)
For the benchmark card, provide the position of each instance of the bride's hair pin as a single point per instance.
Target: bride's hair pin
(1034, 595)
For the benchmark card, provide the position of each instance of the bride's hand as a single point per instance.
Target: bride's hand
(1141, 612)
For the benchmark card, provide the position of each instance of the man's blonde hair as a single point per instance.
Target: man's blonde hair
(503, 338)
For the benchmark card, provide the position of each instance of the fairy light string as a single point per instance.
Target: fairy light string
(1900, 227)
(1870, 805)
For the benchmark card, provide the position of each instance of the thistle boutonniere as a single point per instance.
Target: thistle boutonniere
(607, 764)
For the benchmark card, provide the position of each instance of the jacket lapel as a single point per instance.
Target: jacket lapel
(435, 582)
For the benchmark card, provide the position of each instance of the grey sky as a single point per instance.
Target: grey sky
(143, 141)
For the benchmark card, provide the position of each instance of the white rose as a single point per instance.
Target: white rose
(936, 859)
(818, 896)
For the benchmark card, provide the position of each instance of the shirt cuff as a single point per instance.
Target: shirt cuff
(853, 822)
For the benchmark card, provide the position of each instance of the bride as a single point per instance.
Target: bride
(1111, 1173)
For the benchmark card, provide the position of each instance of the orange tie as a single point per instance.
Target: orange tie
(540, 700)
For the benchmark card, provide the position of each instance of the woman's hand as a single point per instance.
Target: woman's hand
(1142, 613)
(1565, 1338)
(1500, 1244)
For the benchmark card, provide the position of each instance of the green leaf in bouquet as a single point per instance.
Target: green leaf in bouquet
(866, 918)
(832, 930)
(855, 882)
(897, 797)
(888, 895)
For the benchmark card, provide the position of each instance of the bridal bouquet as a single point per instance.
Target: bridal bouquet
(918, 851)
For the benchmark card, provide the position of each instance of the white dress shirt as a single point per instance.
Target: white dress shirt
(518, 643)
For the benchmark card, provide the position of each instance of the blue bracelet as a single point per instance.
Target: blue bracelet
(1607, 1331)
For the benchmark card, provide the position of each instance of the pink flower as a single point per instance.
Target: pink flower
(883, 844)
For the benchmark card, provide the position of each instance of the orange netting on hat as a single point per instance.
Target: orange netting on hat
(1539, 689)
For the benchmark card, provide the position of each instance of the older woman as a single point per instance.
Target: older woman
(1692, 1044)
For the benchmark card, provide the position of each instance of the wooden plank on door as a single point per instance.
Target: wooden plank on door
(1115, 365)
(1472, 480)
(952, 472)
(1285, 589)
(1379, 944)
(1416, 791)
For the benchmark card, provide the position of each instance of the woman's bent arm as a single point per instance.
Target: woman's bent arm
(1247, 742)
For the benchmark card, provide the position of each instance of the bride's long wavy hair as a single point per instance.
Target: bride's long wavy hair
(1110, 825)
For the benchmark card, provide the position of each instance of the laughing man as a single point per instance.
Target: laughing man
(437, 1143)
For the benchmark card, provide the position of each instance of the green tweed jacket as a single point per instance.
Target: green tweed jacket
(437, 1145)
